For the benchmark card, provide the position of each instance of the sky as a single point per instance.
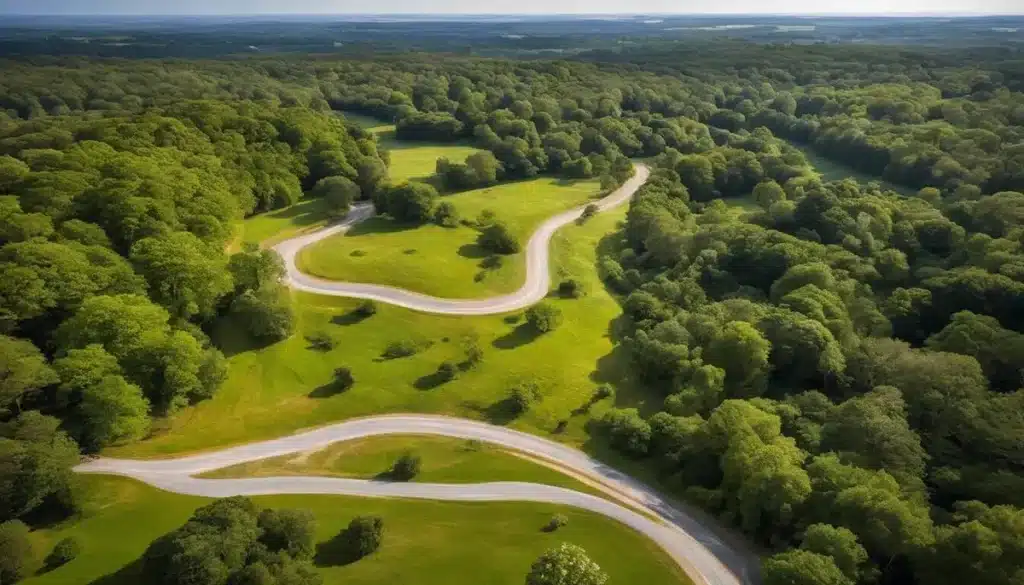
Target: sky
(197, 7)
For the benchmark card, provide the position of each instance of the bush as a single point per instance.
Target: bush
(400, 349)
(588, 212)
(474, 354)
(485, 218)
(498, 239)
(557, 521)
(544, 317)
(63, 553)
(320, 341)
(406, 467)
(446, 215)
(363, 536)
(447, 371)
(570, 288)
(343, 379)
(15, 551)
(523, 396)
(366, 308)
(603, 392)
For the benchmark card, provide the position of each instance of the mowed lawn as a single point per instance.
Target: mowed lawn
(442, 459)
(275, 390)
(446, 262)
(425, 542)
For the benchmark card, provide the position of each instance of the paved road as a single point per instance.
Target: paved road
(692, 545)
(533, 290)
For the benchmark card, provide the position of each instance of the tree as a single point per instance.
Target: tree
(411, 202)
(567, 564)
(254, 269)
(184, 274)
(35, 465)
(65, 551)
(742, 352)
(768, 193)
(338, 192)
(406, 467)
(113, 411)
(523, 396)
(627, 430)
(290, 531)
(363, 536)
(343, 379)
(838, 543)
(446, 215)
(15, 551)
(447, 371)
(23, 369)
(498, 238)
(544, 317)
(802, 567)
(264, 314)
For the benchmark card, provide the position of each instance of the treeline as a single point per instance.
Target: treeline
(113, 228)
(841, 370)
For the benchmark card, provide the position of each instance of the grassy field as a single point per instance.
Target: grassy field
(440, 261)
(443, 459)
(425, 542)
(272, 391)
(831, 170)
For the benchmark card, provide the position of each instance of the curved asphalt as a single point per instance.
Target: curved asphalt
(705, 558)
(535, 288)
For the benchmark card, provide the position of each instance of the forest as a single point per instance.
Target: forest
(838, 363)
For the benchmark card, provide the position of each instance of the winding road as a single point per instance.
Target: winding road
(535, 288)
(697, 550)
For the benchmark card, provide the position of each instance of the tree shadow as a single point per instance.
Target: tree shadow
(325, 391)
(336, 552)
(306, 212)
(379, 225)
(130, 573)
(231, 338)
(353, 317)
(474, 251)
(521, 335)
(429, 381)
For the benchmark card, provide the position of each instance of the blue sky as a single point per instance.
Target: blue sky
(503, 6)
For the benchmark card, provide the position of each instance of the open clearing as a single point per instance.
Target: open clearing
(446, 262)
(425, 542)
(444, 460)
(275, 390)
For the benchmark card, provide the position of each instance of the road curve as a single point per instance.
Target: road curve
(538, 279)
(705, 558)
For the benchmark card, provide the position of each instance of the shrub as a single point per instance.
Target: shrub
(320, 341)
(366, 308)
(400, 349)
(63, 553)
(446, 215)
(15, 551)
(544, 317)
(557, 521)
(474, 354)
(406, 467)
(486, 218)
(447, 371)
(603, 392)
(343, 379)
(523, 396)
(588, 212)
(570, 288)
(363, 536)
(498, 239)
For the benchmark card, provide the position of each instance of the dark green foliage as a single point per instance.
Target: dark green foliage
(557, 521)
(400, 349)
(264, 315)
(570, 289)
(446, 215)
(339, 193)
(366, 308)
(409, 202)
(63, 552)
(406, 467)
(497, 238)
(15, 551)
(544, 317)
(320, 341)
(230, 541)
(447, 371)
(36, 459)
(363, 536)
(522, 397)
(343, 379)
(588, 212)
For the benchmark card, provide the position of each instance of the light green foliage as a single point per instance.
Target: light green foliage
(338, 193)
(742, 352)
(801, 567)
(566, 565)
(544, 317)
(15, 551)
(838, 543)
(23, 369)
(184, 274)
(114, 412)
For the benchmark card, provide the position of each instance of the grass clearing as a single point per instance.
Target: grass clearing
(275, 390)
(425, 542)
(831, 170)
(444, 460)
(440, 261)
